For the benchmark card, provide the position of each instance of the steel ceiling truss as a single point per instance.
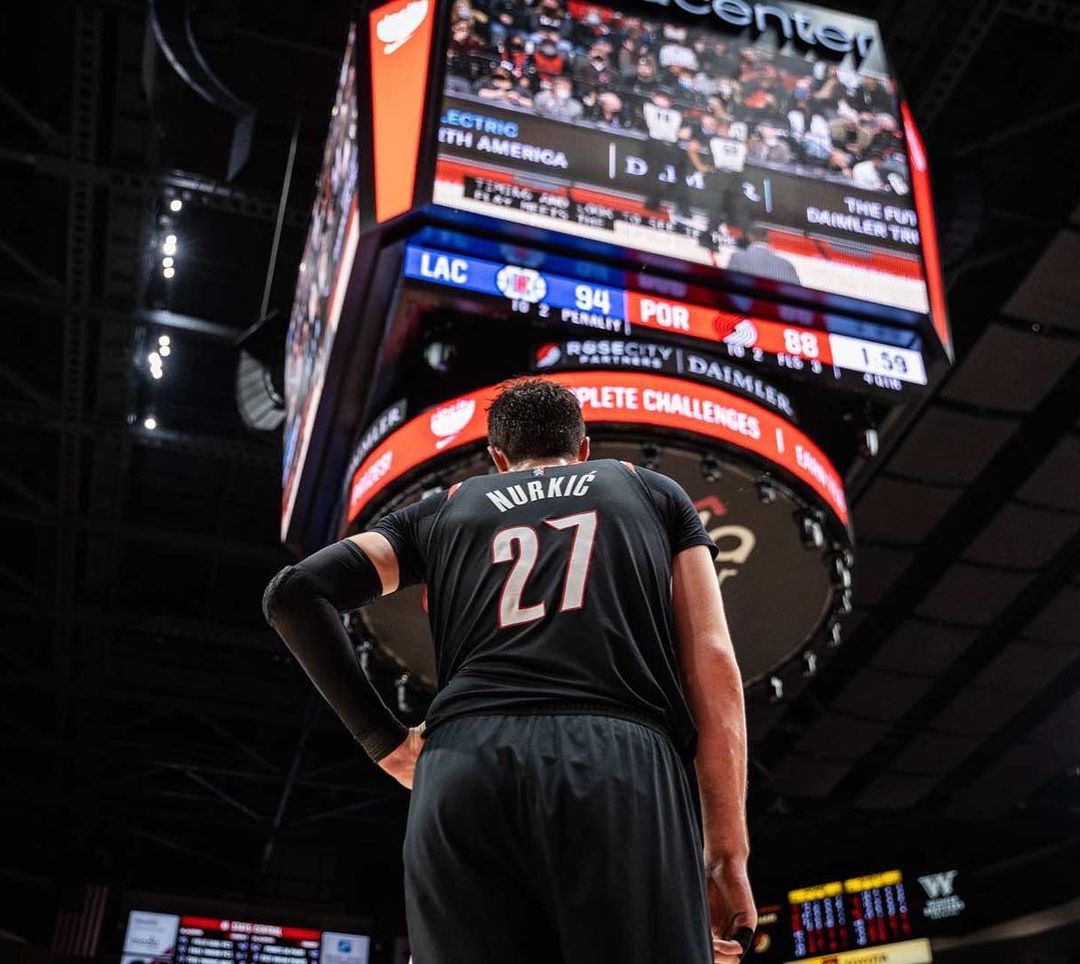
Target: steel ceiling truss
(1034, 438)
(195, 188)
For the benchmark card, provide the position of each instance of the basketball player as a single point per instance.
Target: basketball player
(583, 657)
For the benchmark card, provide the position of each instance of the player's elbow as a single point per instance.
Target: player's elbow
(281, 595)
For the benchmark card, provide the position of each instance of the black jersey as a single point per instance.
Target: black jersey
(549, 591)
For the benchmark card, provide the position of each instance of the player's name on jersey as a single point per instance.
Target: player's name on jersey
(552, 487)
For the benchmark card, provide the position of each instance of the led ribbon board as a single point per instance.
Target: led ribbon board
(602, 308)
(624, 398)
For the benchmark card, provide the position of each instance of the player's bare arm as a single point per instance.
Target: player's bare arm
(714, 692)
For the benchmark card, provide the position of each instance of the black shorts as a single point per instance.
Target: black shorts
(564, 839)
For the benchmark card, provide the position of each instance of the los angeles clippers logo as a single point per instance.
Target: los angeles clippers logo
(521, 283)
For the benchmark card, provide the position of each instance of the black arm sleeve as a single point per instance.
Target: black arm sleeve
(303, 603)
(681, 519)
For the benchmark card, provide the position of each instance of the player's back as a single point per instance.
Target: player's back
(549, 590)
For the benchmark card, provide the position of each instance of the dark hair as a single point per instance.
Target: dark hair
(534, 418)
(756, 234)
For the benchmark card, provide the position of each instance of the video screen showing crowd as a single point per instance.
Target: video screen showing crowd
(697, 101)
(324, 272)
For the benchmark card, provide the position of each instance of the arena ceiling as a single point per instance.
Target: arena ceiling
(156, 735)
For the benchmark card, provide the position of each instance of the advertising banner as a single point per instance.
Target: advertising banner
(626, 398)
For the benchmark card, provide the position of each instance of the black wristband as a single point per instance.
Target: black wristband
(743, 937)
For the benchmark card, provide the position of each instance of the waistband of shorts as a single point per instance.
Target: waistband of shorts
(568, 708)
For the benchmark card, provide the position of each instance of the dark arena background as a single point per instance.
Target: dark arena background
(263, 267)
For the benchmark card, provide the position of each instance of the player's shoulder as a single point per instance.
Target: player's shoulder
(415, 512)
(658, 483)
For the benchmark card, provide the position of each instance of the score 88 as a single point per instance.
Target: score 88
(804, 343)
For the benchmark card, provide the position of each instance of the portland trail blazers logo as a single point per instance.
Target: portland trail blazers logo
(449, 421)
(395, 29)
(744, 335)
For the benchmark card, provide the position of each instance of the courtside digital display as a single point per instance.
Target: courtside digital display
(158, 938)
(767, 139)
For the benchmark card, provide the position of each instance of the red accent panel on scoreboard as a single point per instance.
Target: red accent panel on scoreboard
(400, 35)
(709, 324)
(613, 397)
(924, 210)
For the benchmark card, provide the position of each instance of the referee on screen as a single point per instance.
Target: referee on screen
(583, 657)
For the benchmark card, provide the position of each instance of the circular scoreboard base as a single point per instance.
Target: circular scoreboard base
(778, 593)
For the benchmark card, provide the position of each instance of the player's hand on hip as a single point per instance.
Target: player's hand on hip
(732, 912)
(401, 763)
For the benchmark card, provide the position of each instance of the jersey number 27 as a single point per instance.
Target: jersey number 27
(527, 542)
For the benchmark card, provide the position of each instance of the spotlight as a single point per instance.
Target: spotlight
(766, 492)
(164, 350)
(154, 359)
(150, 423)
(869, 443)
(164, 340)
(169, 272)
(169, 245)
(650, 456)
(363, 653)
(156, 373)
(439, 356)
(777, 686)
(710, 468)
(810, 531)
(170, 239)
(836, 637)
(167, 262)
(810, 663)
(404, 706)
(843, 603)
(175, 204)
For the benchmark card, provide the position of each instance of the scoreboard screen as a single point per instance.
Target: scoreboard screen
(156, 938)
(839, 355)
(885, 917)
(766, 139)
(849, 914)
(325, 268)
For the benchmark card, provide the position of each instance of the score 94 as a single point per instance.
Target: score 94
(588, 298)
